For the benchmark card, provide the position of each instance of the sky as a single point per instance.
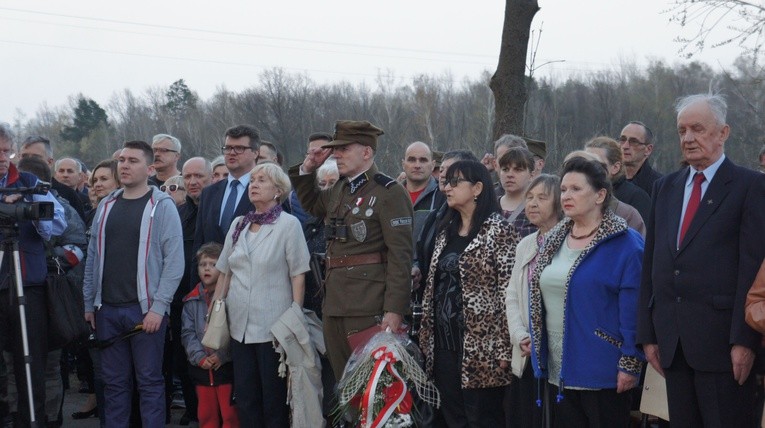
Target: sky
(52, 50)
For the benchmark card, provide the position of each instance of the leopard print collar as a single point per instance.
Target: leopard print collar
(554, 239)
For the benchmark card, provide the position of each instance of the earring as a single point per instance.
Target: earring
(276, 196)
(475, 198)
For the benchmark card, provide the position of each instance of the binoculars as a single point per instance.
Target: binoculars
(336, 230)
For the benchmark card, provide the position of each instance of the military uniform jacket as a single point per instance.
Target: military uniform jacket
(378, 216)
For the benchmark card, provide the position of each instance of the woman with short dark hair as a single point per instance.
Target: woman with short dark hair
(583, 304)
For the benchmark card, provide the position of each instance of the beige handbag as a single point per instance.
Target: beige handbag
(217, 335)
(654, 399)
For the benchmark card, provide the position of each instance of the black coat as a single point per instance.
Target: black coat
(631, 194)
(188, 214)
(72, 196)
(425, 243)
(645, 177)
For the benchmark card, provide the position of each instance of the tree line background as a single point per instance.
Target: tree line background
(446, 114)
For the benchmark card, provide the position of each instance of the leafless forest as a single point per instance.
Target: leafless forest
(445, 113)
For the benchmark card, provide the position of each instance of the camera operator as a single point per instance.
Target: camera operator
(64, 255)
(32, 236)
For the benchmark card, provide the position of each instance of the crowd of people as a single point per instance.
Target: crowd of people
(536, 298)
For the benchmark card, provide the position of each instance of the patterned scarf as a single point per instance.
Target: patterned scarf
(268, 217)
(533, 261)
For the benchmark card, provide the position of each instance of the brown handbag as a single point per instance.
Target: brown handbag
(755, 302)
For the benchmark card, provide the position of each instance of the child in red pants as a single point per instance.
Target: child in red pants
(211, 371)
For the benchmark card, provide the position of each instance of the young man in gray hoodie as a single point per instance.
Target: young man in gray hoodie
(135, 262)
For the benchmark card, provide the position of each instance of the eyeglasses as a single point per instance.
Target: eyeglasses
(172, 187)
(236, 149)
(454, 181)
(162, 150)
(632, 141)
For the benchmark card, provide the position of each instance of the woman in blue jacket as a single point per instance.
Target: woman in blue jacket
(583, 304)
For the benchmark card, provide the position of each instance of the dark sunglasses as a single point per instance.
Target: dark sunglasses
(454, 181)
(172, 187)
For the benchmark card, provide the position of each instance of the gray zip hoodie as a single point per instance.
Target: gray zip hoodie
(160, 256)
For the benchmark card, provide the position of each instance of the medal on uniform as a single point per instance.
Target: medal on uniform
(357, 208)
(370, 211)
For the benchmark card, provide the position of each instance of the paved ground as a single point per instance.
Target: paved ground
(73, 400)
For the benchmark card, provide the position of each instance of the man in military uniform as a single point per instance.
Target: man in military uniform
(369, 233)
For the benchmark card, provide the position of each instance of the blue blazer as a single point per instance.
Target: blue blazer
(599, 319)
(695, 294)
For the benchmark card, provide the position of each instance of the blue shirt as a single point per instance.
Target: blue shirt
(46, 228)
(244, 180)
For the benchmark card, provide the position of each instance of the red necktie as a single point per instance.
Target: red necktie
(693, 204)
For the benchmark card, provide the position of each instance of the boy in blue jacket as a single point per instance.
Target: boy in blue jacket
(210, 370)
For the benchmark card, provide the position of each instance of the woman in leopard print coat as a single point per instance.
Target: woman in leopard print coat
(464, 335)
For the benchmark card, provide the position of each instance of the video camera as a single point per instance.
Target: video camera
(26, 211)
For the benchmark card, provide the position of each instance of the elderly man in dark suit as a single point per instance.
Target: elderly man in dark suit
(703, 249)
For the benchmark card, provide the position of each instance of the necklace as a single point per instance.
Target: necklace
(592, 232)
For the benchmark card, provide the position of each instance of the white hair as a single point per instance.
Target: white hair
(174, 142)
(328, 167)
(176, 179)
(218, 161)
(716, 103)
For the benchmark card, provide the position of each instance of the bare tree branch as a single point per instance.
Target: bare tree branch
(706, 18)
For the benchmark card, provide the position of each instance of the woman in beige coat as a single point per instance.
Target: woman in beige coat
(262, 265)
(544, 211)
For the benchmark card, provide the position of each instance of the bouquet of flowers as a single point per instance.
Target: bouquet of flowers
(379, 379)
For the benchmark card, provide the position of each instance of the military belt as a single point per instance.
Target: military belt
(355, 260)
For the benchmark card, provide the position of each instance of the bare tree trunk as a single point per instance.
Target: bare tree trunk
(509, 81)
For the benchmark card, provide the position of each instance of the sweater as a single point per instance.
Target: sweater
(160, 259)
(517, 299)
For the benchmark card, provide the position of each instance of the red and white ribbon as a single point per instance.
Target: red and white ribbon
(384, 361)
